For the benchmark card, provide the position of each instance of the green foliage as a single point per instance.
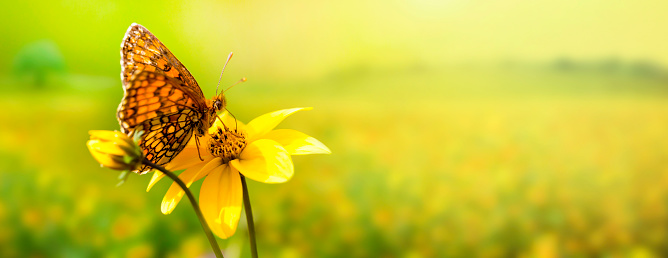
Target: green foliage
(440, 173)
(37, 61)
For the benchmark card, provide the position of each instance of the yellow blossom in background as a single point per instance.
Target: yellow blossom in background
(232, 149)
(114, 150)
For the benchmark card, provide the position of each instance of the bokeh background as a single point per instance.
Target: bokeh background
(458, 128)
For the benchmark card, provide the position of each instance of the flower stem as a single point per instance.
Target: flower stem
(193, 202)
(249, 218)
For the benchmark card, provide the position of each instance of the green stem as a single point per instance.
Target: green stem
(193, 202)
(249, 218)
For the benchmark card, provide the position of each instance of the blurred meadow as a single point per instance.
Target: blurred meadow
(458, 128)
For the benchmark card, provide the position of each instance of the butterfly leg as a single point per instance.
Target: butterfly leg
(221, 122)
(236, 126)
(197, 143)
(235, 120)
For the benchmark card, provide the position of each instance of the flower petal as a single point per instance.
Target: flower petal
(265, 123)
(186, 159)
(105, 134)
(122, 141)
(109, 161)
(156, 177)
(106, 147)
(107, 156)
(220, 200)
(175, 193)
(297, 143)
(265, 161)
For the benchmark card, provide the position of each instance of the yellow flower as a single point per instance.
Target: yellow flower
(114, 150)
(231, 148)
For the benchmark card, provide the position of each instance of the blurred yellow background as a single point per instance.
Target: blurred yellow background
(458, 128)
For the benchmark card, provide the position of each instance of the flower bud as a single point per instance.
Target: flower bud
(114, 150)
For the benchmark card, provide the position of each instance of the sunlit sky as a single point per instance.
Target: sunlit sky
(545, 29)
(301, 39)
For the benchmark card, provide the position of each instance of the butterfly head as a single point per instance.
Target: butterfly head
(218, 103)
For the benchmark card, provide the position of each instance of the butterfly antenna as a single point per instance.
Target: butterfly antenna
(221, 73)
(235, 84)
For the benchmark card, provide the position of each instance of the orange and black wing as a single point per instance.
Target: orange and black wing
(142, 51)
(161, 98)
(165, 136)
(156, 105)
(149, 95)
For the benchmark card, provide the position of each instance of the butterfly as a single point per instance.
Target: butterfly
(161, 98)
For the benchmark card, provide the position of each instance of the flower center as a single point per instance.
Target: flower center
(227, 144)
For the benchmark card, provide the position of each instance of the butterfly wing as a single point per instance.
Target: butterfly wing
(155, 104)
(165, 136)
(142, 51)
(161, 97)
(149, 95)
